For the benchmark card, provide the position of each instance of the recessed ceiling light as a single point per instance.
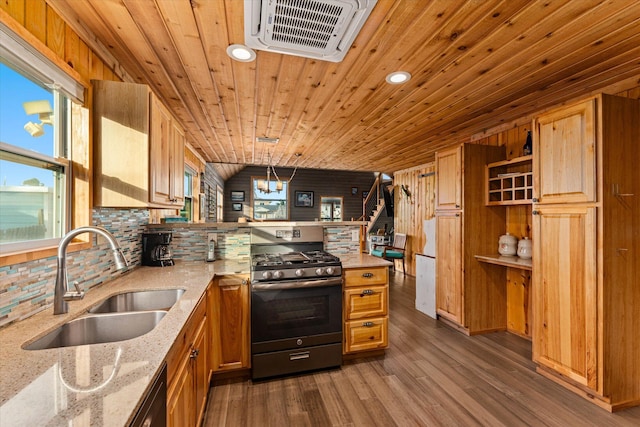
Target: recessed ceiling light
(241, 53)
(398, 77)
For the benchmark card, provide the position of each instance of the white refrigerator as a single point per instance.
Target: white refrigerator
(426, 271)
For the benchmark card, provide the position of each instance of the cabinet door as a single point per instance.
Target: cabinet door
(199, 354)
(229, 311)
(176, 178)
(564, 291)
(180, 410)
(449, 179)
(160, 153)
(449, 289)
(565, 155)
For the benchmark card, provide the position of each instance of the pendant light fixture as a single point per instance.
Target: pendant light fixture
(264, 185)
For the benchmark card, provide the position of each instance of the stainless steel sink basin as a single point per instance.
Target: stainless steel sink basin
(139, 301)
(102, 328)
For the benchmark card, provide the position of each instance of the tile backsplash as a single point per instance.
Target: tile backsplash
(27, 288)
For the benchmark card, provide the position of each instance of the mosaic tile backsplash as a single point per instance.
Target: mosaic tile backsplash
(27, 288)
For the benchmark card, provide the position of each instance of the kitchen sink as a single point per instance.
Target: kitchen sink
(100, 328)
(139, 301)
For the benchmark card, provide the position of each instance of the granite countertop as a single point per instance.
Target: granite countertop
(99, 384)
(357, 260)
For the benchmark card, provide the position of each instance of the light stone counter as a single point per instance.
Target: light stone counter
(358, 260)
(99, 384)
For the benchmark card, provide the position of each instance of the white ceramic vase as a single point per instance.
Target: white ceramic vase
(525, 249)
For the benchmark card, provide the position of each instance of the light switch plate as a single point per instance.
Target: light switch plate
(355, 235)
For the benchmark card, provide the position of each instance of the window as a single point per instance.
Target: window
(187, 210)
(331, 208)
(270, 205)
(34, 161)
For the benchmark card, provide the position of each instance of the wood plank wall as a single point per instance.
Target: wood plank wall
(409, 214)
(48, 32)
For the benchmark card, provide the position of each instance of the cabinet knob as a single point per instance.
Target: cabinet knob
(534, 200)
(366, 292)
(457, 206)
(367, 275)
(535, 213)
(367, 324)
(194, 353)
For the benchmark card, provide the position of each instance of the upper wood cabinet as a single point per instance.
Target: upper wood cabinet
(565, 155)
(138, 148)
(229, 314)
(449, 179)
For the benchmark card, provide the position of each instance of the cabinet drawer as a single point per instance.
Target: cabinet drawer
(185, 340)
(368, 301)
(365, 334)
(366, 276)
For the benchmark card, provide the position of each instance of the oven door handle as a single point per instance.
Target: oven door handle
(316, 283)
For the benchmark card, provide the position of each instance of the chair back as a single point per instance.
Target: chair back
(399, 241)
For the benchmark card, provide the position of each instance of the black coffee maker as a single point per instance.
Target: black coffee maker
(155, 249)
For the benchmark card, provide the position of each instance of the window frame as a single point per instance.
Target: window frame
(31, 58)
(286, 190)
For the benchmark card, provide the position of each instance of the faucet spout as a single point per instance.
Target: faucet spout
(61, 291)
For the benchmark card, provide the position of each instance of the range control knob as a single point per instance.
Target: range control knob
(330, 270)
(266, 275)
(299, 272)
(319, 271)
(278, 274)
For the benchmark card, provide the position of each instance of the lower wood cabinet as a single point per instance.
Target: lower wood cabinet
(229, 319)
(365, 309)
(188, 371)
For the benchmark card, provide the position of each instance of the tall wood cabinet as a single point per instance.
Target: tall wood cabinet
(230, 319)
(138, 148)
(586, 262)
(469, 295)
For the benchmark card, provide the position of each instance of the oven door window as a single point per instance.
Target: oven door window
(281, 314)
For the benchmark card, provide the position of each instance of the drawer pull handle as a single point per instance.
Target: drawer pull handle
(367, 275)
(367, 292)
(367, 324)
(194, 353)
(299, 356)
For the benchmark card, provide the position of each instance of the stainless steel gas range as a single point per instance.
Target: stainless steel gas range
(296, 302)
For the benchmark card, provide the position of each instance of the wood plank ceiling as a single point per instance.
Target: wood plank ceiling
(476, 64)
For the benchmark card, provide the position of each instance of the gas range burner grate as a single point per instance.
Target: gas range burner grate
(293, 258)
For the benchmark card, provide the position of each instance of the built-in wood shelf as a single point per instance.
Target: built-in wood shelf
(507, 261)
(509, 182)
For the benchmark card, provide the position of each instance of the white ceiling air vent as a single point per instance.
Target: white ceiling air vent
(320, 29)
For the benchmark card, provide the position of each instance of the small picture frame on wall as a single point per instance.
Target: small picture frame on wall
(236, 206)
(237, 196)
(304, 199)
(354, 191)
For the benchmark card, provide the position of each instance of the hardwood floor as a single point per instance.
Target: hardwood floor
(431, 375)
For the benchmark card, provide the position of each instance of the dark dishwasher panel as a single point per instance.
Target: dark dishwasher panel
(153, 412)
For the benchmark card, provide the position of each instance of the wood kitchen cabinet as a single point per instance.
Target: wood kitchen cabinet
(188, 371)
(449, 179)
(450, 292)
(138, 148)
(586, 259)
(365, 309)
(229, 313)
(469, 295)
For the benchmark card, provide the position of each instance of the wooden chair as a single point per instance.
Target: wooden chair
(392, 252)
